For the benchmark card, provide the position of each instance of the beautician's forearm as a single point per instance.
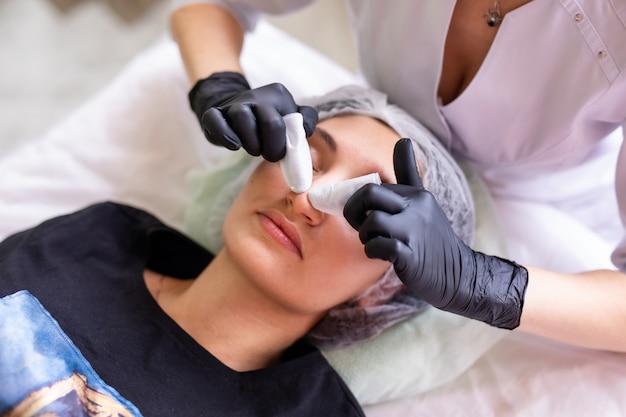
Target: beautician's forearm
(209, 38)
(586, 309)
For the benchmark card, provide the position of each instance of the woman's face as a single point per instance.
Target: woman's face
(304, 259)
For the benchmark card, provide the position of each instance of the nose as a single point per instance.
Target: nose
(302, 206)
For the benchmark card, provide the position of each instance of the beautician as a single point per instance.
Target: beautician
(516, 88)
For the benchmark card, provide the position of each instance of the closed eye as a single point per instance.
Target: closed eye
(323, 147)
(315, 159)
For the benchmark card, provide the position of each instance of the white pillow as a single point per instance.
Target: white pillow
(136, 142)
(412, 357)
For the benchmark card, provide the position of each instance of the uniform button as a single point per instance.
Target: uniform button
(578, 17)
(602, 54)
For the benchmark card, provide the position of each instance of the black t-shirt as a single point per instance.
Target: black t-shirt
(79, 330)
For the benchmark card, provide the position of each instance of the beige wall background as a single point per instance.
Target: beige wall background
(54, 54)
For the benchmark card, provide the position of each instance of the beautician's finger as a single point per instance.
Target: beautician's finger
(217, 130)
(389, 249)
(243, 122)
(277, 96)
(404, 164)
(272, 130)
(379, 223)
(368, 198)
(310, 118)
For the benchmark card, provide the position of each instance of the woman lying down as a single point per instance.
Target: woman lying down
(108, 311)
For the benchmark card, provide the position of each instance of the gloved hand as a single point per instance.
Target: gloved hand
(234, 115)
(403, 224)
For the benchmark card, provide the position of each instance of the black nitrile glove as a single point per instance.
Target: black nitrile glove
(403, 224)
(233, 115)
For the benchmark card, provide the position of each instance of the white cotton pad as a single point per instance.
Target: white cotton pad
(297, 166)
(331, 198)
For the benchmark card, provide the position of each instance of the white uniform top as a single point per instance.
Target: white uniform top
(550, 90)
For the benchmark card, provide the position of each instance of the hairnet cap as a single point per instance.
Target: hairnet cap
(388, 301)
(441, 175)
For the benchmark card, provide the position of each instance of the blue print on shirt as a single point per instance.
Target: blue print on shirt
(41, 370)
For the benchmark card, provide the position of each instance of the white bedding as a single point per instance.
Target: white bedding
(136, 141)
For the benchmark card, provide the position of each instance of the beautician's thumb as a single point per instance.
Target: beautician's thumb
(404, 164)
(310, 118)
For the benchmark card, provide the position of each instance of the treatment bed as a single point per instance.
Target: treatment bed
(136, 142)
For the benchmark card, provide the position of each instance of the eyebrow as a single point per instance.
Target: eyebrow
(327, 137)
(332, 144)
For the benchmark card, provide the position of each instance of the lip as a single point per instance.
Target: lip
(281, 230)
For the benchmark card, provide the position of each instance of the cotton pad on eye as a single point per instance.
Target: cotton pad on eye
(297, 166)
(331, 198)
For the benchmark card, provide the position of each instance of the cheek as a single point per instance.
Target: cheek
(342, 257)
(269, 174)
(345, 235)
(265, 183)
(233, 230)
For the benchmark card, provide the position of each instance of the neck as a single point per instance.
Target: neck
(230, 317)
